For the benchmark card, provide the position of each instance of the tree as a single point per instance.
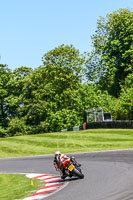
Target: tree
(49, 88)
(5, 75)
(20, 75)
(15, 86)
(125, 109)
(66, 65)
(112, 57)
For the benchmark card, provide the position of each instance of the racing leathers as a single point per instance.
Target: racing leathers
(59, 164)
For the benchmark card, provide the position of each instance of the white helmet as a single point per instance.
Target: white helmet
(57, 153)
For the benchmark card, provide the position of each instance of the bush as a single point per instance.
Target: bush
(43, 127)
(3, 132)
(63, 119)
(126, 104)
(16, 127)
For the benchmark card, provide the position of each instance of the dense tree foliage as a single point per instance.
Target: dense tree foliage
(48, 90)
(5, 75)
(125, 108)
(15, 86)
(112, 58)
(55, 96)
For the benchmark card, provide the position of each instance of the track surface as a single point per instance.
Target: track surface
(108, 175)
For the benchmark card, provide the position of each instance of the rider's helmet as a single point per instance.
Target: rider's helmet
(57, 153)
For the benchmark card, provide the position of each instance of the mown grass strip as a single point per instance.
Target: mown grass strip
(14, 187)
(81, 141)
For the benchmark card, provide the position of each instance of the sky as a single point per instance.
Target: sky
(31, 28)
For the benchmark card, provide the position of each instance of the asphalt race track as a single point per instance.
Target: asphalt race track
(108, 175)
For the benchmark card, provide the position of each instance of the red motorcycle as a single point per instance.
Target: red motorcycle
(72, 168)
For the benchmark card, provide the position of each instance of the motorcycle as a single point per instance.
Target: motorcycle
(72, 168)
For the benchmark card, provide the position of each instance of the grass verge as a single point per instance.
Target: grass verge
(14, 187)
(81, 141)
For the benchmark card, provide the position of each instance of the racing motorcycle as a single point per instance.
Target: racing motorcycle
(72, 168)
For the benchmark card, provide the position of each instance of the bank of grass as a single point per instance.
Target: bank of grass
(80, 141)
(14, 187)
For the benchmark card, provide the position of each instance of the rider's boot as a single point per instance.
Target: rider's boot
(63, 174)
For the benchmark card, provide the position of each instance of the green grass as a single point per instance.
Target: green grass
(67, 142)
(14, 187)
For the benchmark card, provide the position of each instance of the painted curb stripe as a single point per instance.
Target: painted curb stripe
(44, 192)
(41, 176)
(53, 184)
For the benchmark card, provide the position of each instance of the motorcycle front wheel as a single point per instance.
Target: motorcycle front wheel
(77, 173)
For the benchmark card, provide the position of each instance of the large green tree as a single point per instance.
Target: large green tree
(48, 90)
(112, 57)
(63, 68)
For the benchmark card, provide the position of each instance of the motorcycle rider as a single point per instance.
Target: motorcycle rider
(59, 163)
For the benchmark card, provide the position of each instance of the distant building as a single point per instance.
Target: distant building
(97, 115)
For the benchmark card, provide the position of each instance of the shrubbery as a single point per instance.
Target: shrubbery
(3, 132)
(16, 127)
